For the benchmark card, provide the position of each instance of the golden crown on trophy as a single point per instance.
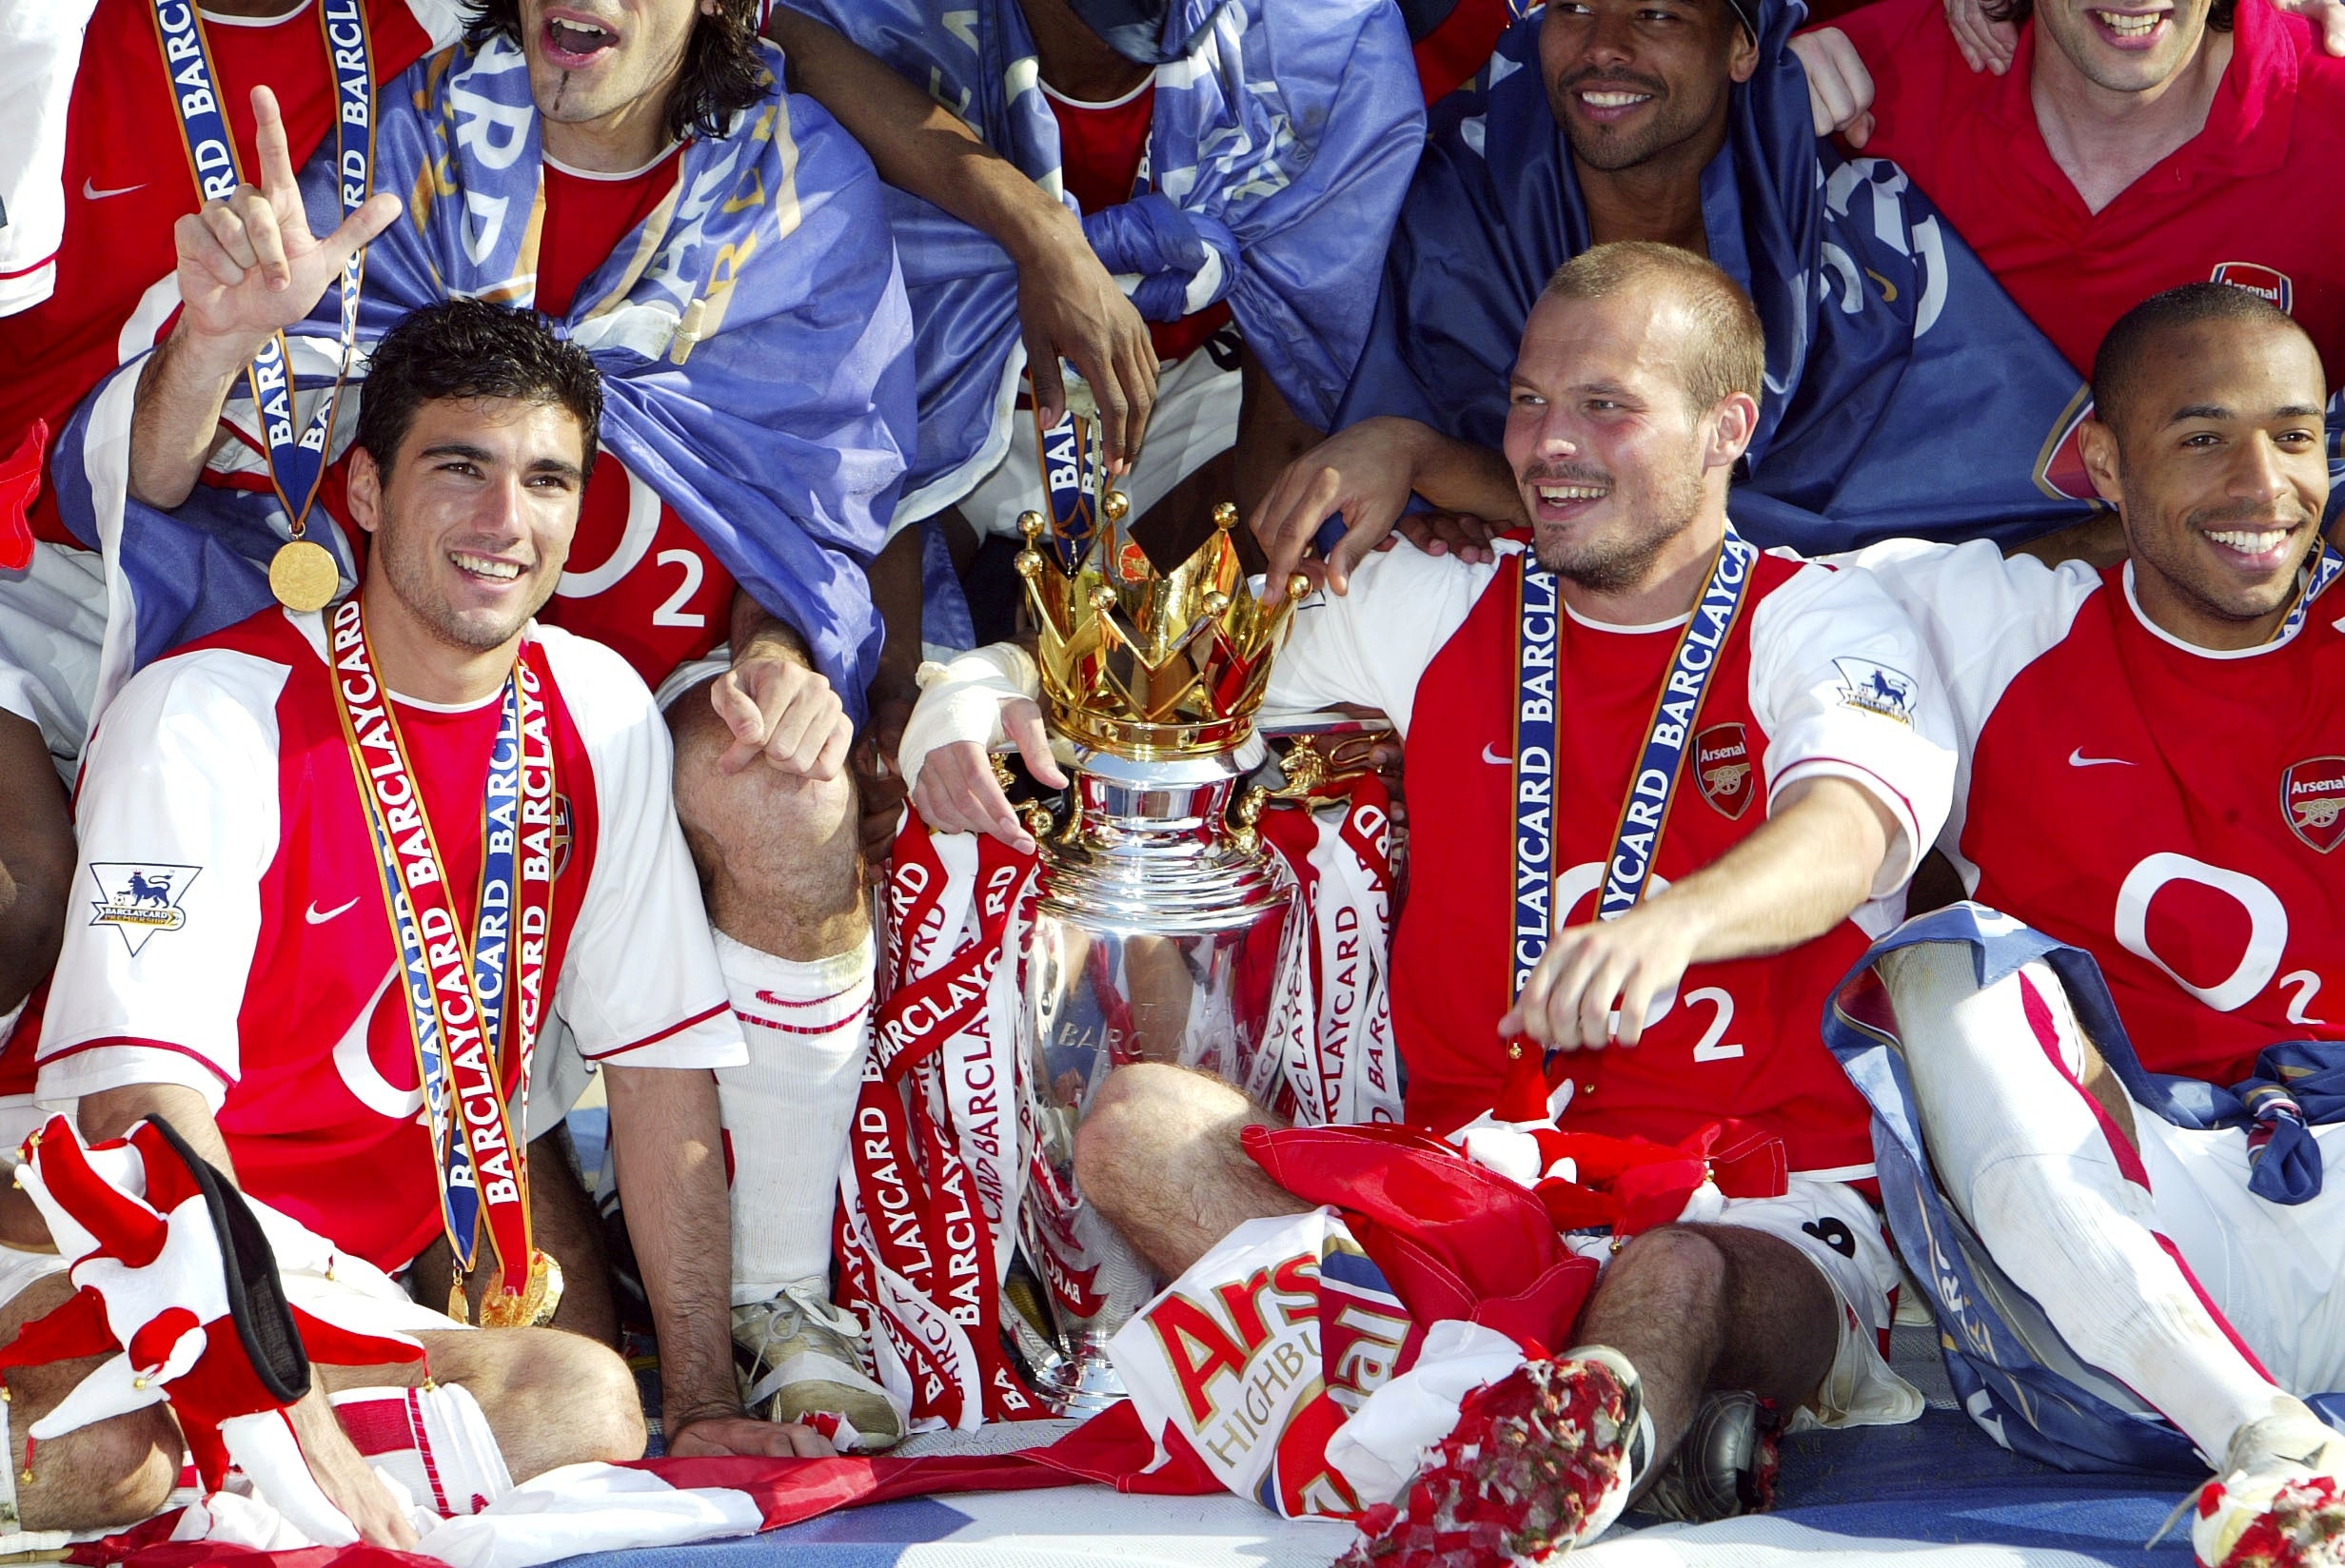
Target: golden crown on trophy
(1145, 665)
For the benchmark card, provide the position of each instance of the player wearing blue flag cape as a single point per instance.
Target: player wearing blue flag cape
(718, 247)
(1906, 393)
(1234, 166)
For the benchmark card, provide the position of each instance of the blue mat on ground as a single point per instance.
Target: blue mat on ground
(1943, 1480)
(1940, 1491)
(1847, 1496)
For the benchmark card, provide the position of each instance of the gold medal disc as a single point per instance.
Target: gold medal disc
(534, 1307)
(302, 575)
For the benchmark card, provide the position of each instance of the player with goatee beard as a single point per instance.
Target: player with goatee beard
(1686, 123)
(1801, 722)
(2155, 780)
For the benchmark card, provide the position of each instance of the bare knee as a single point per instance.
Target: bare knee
(1126, 1132)
(775, 851)
(576, 1392)
(101, 1477)
(1676, 1261)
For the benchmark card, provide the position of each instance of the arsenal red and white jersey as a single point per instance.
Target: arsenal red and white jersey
(127, 182)
(1821, 677)
(237, 940)
(639, 579)
(2174, 810)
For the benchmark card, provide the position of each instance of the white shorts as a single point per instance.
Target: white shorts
(52, 625)
(2275, 1271)
(1194, 419)
(1838, 1231)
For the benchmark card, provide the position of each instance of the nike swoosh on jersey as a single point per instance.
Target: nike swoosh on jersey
(2077, 759)
(317, 919)
(91, 193)
(1496, 761)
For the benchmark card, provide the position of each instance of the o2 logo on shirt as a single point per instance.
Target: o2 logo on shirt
(1877, 688)
(139, 899)
(2313, 797)
(2273, 286)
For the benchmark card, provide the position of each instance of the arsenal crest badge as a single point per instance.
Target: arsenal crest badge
(2274, 288)
(2313, 799)
(1722, 768)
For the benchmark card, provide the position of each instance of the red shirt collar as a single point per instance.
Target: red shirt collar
(2248, 125)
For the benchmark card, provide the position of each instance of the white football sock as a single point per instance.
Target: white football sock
(2027, 1157)
(787, 1109)
(435, 1440)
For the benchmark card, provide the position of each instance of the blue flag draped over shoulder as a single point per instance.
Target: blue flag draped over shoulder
(753, 336)
(1906, 395)
(1277, 154)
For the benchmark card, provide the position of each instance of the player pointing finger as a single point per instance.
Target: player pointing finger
(249, 267)
(249, 264)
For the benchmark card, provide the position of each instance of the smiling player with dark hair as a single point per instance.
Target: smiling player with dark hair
(1904, 394)
(345, 855)
(2133, 1110)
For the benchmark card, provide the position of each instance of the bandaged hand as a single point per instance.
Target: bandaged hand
(1840, 90)
(1600, 984)
(980, 701)
(783, 712)
(248, 264)
(958, 792)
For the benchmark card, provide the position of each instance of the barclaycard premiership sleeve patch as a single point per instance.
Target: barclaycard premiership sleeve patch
(140, 898)
(1877, 688)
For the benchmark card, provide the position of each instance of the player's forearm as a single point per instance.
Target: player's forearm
(1270, 433)
(919, 145)
(666, 1141)
(36, 860)
(1458, 476)
(175, 423)
(113, 1112)
(1804, 872)
(897, 579)
(757, 633)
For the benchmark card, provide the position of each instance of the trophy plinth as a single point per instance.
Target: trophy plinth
(1157, 930)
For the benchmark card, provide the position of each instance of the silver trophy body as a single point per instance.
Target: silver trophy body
(1155, 938)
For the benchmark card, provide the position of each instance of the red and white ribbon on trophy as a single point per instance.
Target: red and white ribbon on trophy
(928, 1192)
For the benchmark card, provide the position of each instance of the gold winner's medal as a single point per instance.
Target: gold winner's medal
(302, 575)
(534, 1307)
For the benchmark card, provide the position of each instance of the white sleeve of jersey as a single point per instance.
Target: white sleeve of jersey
(1372, 645)
(40, 52)
(1984, 619)
(1839, 682)
(178, 821)
(639, 987)
(443, 19)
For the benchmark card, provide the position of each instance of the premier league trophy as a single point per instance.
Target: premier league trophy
(1160, 916)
